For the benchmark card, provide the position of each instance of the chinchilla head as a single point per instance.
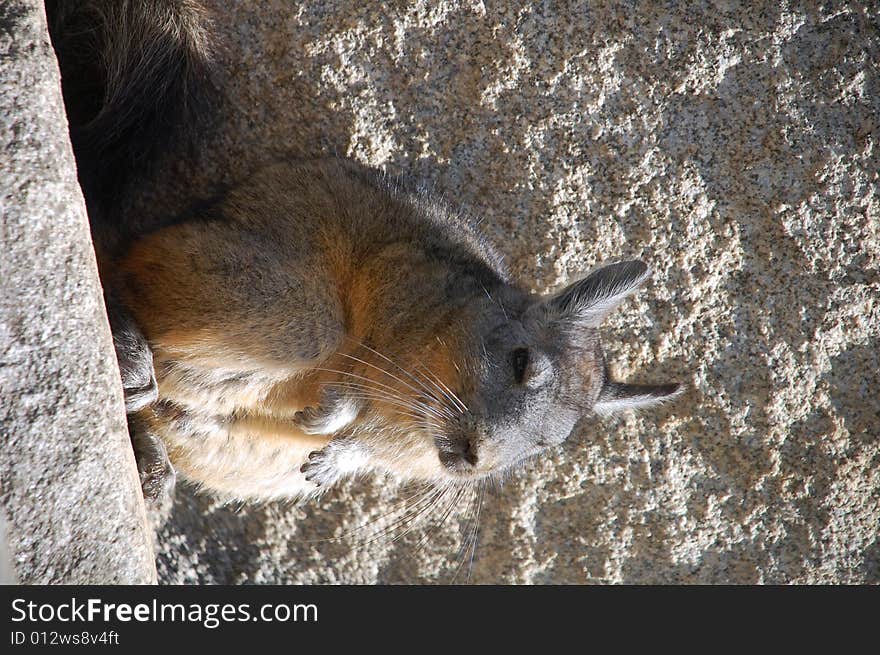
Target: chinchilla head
(533, 368)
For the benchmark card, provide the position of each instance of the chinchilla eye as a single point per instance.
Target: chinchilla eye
(520, 363)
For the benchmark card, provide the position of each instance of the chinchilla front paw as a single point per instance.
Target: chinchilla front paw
(156, 472)
(338, 459)
(333, 413)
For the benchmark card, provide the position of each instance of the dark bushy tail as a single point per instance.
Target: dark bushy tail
(136, 78)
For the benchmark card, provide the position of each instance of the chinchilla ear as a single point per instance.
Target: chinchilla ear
(620, 396)
(590, 300)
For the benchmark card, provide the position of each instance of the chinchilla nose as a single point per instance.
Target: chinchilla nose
(458, 450)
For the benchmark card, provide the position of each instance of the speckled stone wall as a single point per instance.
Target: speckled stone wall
(733, 146)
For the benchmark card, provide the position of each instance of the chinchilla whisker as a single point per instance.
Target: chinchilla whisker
(362, 378)
(411, 403)
(445, 399)
(393, 363)
(382, 370)
(403, 504)
(457, 403)
(460, 489)
(411, 516)
(356, 377)
(463, 406)
(424, 400)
